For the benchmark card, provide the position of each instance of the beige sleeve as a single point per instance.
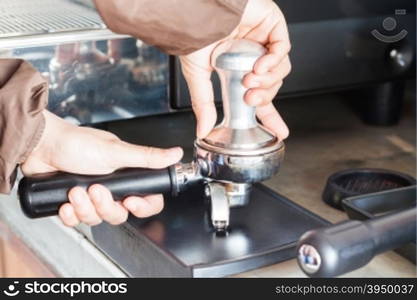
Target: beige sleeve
(23, 97)
(176, 26)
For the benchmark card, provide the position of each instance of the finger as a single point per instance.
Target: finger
(277, 52)
(143, 207)
(279, 32)
(107, 209)
(206, 115)
(83, 207)
(202, 97)
(272, 120)
(262, 31)
(129, 155)
(102, 133)
(259, 96)
(269, 79)
(278, 47)
(67, 214)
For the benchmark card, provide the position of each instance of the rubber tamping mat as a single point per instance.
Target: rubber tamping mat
(179, 242)
(361, 181)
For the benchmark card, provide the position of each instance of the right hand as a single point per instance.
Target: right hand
(81, 150)
(262, 22)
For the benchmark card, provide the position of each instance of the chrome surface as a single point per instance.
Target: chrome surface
(219, 205)
(239, 128)
(239, 134)
(238, 193)
(186, 174)
(94, 74)
(240, 168)
(309, 259)
(239, 151)
(26, 23)
(28, 17)
(98, 81)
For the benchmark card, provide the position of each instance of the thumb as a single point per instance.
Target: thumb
(201, 91)
(130, 155)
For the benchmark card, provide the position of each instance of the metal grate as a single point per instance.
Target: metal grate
(34, 17)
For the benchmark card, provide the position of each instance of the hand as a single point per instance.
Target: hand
(82, 150)
(262, 22)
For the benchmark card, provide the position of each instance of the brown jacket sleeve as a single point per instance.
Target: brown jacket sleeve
(176, 26)
(23, 96)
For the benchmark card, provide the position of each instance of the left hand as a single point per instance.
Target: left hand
(81, 150)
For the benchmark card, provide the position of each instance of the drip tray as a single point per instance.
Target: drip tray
(179, 242)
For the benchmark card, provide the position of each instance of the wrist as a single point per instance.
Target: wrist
(53, 126)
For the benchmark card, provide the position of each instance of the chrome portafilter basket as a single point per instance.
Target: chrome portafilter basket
(234, 155)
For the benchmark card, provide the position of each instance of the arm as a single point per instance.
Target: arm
(193, 28)
(23, 96)
(171, 25)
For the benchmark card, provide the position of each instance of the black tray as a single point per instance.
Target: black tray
(381, 203)
(179, 242)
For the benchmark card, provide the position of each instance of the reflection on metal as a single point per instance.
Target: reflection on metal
(309, 259)
(28, 17)
(25, 23)
(97, 81)
(95, 75)
(219, 205)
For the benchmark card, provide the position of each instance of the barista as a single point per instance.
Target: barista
(38, 141)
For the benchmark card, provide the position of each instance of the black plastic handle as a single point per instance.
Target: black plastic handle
(42, 195)
(344, 247)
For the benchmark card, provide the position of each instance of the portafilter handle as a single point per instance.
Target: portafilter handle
(232, 60)
(42, 195)
(347, 246)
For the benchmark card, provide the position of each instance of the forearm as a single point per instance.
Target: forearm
(23, 97)
(177, 27)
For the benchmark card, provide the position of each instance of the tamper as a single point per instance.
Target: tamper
(239, 151)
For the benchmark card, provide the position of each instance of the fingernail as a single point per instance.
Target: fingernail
(175, 152)
(131, 205)
(67, 212)
(97, 194)
(78, 196)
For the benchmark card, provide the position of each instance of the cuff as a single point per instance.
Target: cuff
(23, 97)
(176, 29)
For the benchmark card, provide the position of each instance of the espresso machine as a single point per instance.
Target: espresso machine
(218, 219)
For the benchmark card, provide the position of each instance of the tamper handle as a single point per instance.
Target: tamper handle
(232, 61)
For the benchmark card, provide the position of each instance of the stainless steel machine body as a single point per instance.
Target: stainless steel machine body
(98, 76)
(94, 74)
